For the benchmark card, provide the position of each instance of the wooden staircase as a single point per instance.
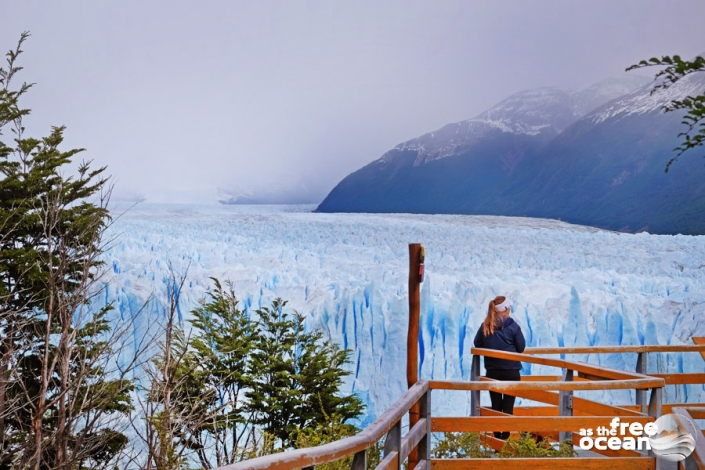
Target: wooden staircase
(559, 414)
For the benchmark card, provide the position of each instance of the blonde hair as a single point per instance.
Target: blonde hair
(493, 316)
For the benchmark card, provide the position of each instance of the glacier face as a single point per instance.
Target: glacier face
(570, 285)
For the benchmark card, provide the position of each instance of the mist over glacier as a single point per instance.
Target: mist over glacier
(348, 273)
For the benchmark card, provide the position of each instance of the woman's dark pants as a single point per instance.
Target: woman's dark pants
(500, 402)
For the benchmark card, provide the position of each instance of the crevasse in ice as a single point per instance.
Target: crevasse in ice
(569, 285)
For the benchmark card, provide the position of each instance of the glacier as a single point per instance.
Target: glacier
(348, 273)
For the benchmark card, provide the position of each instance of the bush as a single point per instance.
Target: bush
(457, 445)
(526, 447)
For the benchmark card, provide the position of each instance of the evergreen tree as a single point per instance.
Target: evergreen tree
(222, 345)
(57, 407)
(243, 386)
(296, 376)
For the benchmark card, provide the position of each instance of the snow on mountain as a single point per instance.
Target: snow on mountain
(570, 285)
(642, 101)
(530, 112)
(605, 91)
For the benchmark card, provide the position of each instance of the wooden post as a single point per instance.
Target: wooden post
(475, 394)
(412, 338)
(655, 402)
(424, 447)
(359, 461)
(566, 405)
(392, 443)
(641, 367)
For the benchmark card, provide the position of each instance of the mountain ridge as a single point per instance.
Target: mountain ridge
(529, 155)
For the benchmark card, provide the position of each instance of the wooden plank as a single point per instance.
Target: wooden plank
(586, 376)
(493, 442)
(600, 409)
(391, 461)
(667, 408)
(536, 411)
(581, 406)
(553, 410)
(524, 423)
(697, 347)
(421, 465)
(592, 369)
(673, 379)
(541, 396)
(412, 438)
(489, 412)
(577, 463)
(696, 412)
(577, 366)
(630, 407)
(700, 341)
(541, 378)
(510, 385)
(553, 437)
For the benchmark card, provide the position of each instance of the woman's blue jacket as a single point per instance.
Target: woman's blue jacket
(506, 337)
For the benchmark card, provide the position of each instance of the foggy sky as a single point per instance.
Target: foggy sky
(180, 99)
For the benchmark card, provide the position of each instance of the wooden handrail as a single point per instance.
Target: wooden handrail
(602, 378)
(592, 370)
(310, 456)
(618, 349)
(505, 386)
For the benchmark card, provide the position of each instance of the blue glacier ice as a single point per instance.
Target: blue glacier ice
(570, 285)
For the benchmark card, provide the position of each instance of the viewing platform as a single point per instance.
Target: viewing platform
(558, 415)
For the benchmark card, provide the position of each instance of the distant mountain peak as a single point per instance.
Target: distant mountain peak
(547, 110)
(643, 101)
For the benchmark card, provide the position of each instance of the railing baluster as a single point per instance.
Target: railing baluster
(393, 442)
(655, 411)
(641, 367)
(655, 402)
(566, 403)
(425, 444)
(475, 394)
(359, 461)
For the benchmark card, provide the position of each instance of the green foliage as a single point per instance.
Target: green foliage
(460, 445)
(456, 445)
(526, 447)
(675, 68)
(295, 376)
(213, 373)
(324, 433)
(59, 405)
(334, 429)
(264, 444)
(244, 385)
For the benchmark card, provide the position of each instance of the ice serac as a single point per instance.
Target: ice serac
(569, 285)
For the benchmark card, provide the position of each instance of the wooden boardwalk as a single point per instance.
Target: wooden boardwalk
(558, 414)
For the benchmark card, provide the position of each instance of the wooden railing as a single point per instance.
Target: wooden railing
(561, 415)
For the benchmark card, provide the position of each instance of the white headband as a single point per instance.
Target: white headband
(504, 306)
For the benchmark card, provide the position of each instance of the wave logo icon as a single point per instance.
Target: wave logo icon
(672, 442)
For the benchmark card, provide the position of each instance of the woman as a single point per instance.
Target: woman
(501, 332)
